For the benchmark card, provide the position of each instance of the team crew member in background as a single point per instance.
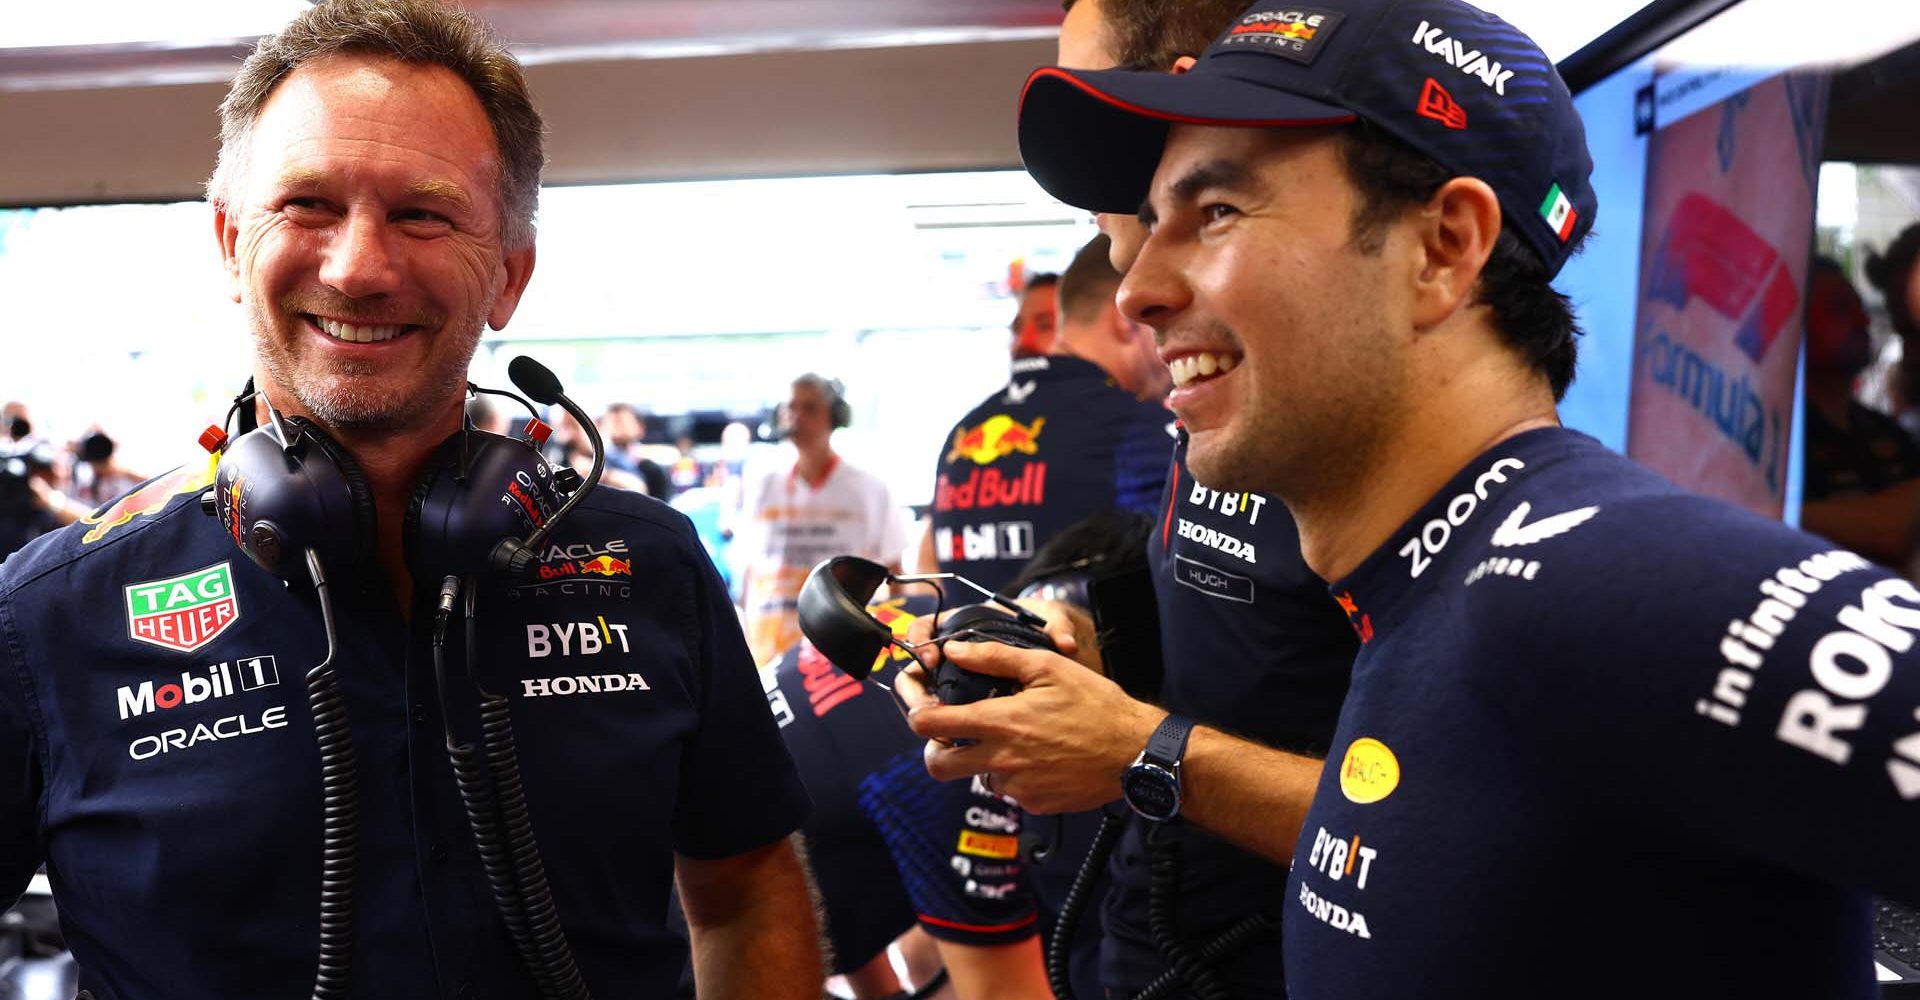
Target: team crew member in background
(1077, 432)
(625, 428)
(817, 508)
(1863, 471)
(1037, 324)
(1251, 641)
(374, 202)
(888, 844)
(1548, 628)
(848, 738)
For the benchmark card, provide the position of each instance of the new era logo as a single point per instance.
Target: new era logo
(1437, 104)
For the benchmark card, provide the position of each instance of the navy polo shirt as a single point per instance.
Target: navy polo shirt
(157, 754)
(1607, 738)
(1059, 443)
(1254, 646)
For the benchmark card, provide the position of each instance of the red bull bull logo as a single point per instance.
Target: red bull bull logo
(895, 617)
(1300, 31)
(605, 565)
(147, 500)
(995, 438)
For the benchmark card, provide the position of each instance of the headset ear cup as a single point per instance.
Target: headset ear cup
(444, 458)
(842, 413)
(478, 489)
(365, 518)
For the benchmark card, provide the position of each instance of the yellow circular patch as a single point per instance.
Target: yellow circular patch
(1370, 771)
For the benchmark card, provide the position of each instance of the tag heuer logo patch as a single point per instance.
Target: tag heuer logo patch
(1296, 33)
(183, 612)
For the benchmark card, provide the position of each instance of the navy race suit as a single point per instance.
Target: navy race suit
(889, 845)
(157, 753)
(1254, 646)
(1060, 442)
(1603, 721)
(840, 731)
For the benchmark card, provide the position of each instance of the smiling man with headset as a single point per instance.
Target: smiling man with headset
(374, 205)
(796, 515)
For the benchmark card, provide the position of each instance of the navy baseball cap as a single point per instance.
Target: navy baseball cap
(1448, 79)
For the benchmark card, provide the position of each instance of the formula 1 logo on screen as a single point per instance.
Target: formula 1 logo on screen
(1709, 254)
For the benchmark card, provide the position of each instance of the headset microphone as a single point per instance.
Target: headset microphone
(514, 556)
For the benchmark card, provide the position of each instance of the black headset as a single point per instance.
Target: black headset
(839, 414)
(290, 486)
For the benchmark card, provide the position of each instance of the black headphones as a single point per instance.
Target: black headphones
(839, 414)
(289, 486)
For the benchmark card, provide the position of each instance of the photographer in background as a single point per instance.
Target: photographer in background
(29, 481)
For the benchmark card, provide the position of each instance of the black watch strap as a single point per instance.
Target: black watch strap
(1169, 741)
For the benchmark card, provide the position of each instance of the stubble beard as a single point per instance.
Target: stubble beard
(348, 397)
(1314, 444)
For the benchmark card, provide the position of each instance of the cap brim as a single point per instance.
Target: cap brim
(1092, 138)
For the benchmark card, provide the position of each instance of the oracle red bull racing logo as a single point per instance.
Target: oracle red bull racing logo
(183, 612)
(995, 438)
(147, 500)
(573, 561)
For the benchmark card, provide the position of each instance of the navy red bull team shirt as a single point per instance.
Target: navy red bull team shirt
(1607, 739)
(1059, 443)
(1252, 645)
(157, 755)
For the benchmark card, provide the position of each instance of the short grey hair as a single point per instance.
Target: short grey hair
(424, 32)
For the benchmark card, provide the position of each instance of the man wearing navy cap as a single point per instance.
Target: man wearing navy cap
(1604, 738)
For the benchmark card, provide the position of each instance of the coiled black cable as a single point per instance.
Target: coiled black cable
(339, 808)
(495, 801)
(1224, 945)
(1162, 889)
(549, 940)
(1073, 907)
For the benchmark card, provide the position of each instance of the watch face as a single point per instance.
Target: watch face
(1152, 791)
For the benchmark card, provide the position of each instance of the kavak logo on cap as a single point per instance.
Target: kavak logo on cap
(1297, 33)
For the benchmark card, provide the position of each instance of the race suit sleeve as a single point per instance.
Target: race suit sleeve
(957, 847)
(738, 786)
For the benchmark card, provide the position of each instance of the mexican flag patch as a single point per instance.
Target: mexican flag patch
(1559, 213)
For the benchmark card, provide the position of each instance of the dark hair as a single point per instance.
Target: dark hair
(1889, 273)
(1043, 279)
(1532, 316)
(1088, 284)
(1098, 545)
(1151, 34)
(412, 31)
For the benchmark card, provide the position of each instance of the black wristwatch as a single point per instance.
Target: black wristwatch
(1151, 785)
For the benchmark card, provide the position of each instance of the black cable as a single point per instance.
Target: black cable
(339, 808)
(1228, 943)
(1059, 949)
(495, 800)
(549, 940)
(1162, 889)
